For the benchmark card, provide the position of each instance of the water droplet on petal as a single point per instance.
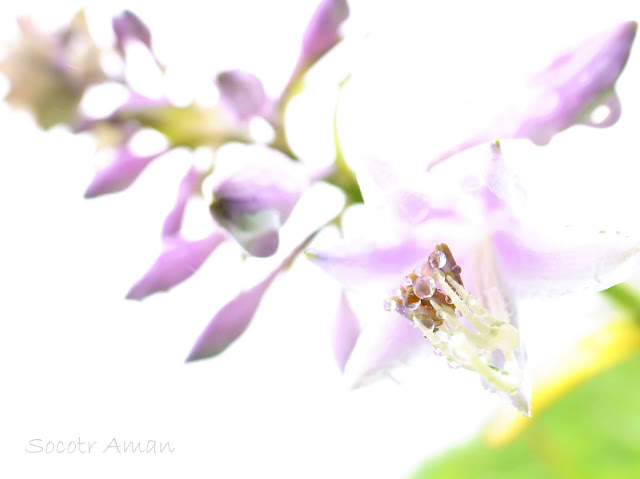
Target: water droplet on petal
(389, 304)
(428, 323)
(456, 270)
(414, 324)
(411, 301)
(407, 281)
(424, 287)
(437, 259)
(440, 314)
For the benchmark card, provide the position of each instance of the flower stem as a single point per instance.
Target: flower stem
(627, 298)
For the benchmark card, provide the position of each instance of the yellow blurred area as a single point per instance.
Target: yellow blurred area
(595, 354)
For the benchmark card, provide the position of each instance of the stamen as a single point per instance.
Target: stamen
(460, 304)
(433, 299)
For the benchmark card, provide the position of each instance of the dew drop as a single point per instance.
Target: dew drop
(407, 281)
(472, 300)
(422, 269)
(389, 304)
(428, 323)
(456, 270)
(424, 287)
(437, 259)
(411, 301)
(440, 314)
(414, 324)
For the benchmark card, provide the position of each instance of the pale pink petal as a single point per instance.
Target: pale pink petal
(486, 281)
(127, 27)
(231, 321)
(357, 263)
(502, 183)
(384, 251)
(345, 332)
(384, 343)
(188, 187)
(242, 94)
(323, 30)
(573, 85)
(177, 263)
(120, 174)
(254, 191)
(566, 93)
(565, 260)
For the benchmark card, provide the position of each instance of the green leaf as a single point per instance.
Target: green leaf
(593, 431)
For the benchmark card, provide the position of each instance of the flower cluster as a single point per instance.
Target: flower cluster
(253, 188)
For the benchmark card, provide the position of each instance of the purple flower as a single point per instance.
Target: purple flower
(254, 191)
(461, 296)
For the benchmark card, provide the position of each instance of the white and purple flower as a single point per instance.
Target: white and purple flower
(414, 223)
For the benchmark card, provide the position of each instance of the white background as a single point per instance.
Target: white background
(78, 361)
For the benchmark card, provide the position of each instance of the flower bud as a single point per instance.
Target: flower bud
(254, 190)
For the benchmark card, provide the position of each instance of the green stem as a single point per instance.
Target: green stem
(626, 297)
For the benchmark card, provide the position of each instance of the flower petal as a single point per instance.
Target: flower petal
(120, 174)
(231, 321)
(322, 32)
(577, 87)
(177, 263)
(573, 86)
(358, 263)
(387, 341)
(385, 250)
(127, 27)
(254, 191)
(242, 94)
(571, 260)
(486, 282)
(345, 333)
(189, 186)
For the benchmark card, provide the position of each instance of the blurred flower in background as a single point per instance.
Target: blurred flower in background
(49, 72)
(422, 166)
